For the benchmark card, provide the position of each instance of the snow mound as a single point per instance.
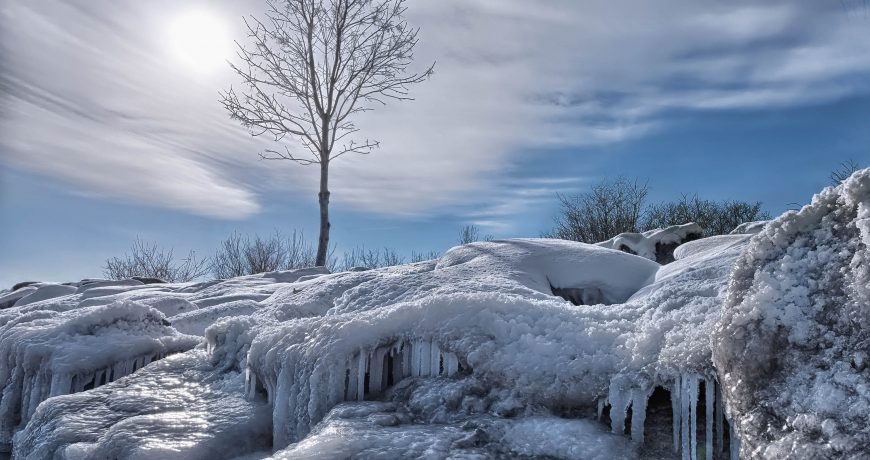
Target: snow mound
(657, 245)
(792, 346)
(48, 353)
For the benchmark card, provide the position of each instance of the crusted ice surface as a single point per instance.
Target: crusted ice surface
(792, 346)
(176, 408)
(48, 353)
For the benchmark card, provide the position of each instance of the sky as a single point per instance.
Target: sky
(111, 126)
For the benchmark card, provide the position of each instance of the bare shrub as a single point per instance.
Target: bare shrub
(370, 258)
(844, 171)
(619, 206)
(148, 260)
(471, 233)
(239, 256)
(716, 218)
(611, 207)
(423, 256)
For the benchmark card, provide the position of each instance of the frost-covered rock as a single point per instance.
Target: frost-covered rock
(658, 244)
(792, 346)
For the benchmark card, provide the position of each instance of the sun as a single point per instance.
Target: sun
(199, 40)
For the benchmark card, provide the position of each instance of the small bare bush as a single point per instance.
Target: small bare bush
(150, 261)
(716, 218)
(238, 255)
(471, 233)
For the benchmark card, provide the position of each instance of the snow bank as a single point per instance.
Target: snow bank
(658, 244)
(792, 346)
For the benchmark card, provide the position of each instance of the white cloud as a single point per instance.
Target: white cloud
(106, 109)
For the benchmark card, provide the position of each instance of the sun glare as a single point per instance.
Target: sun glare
(199, 39)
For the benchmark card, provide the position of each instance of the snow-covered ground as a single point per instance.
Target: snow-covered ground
(521, 348)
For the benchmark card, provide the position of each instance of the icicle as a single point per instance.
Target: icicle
(376, 371)
(451, 364)
(98, 377)
(735, 443)
(118, 371)
(398, 372)
(709, 394)
(407, 360)
(249, 386)
(362, 364)
(425, 358)
(280, 409)
(619, 402)
(676, 410)
(435, 357)
(60, 384)
(693, 416)
(685, 402)
(352, 376)
(601, 403)
(720, 421)
(415, 359)
(639, 399)
(335, 386)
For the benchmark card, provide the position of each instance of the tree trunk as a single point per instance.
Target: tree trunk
(323, 198)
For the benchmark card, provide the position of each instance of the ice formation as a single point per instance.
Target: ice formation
(516, 348)
(792, 345)
(45, 353)
(658, 244)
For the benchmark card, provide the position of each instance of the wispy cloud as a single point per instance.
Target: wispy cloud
(92, 98)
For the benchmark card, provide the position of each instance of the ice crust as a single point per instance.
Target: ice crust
(496, 350)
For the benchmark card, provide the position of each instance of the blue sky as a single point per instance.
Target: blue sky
(107, 134)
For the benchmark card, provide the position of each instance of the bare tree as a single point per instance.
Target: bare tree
(844, 171)
(315, 65)
(150, 261)
(611, 207)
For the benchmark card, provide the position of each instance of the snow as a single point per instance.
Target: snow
(515, 348)
(476, 338)
(750, 228)
(791, 344)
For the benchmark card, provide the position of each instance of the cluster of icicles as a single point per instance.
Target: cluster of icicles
(301, 394)
(684, 408)
(25, 389)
